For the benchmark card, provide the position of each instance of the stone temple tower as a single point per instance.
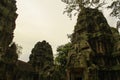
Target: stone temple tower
(95, 54)
(41, 59)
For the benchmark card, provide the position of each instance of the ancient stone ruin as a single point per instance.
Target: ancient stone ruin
(10, 67)
(41, 59)
(95, 54)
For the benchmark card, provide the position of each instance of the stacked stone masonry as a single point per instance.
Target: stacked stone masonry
(96, 52)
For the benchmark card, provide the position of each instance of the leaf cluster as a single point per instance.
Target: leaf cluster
(61, 60)
(62, 54)
(115, 6)
(78, 5)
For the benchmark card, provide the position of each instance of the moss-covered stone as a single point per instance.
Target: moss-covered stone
(41, 59)
(95, 48)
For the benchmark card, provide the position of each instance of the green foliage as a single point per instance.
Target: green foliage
(62, 54)
(115, 6)
(81, 3)
(18, 49)
(77, 5)
(61, 60)
(10, 57)
(8, 54)
(59, 73)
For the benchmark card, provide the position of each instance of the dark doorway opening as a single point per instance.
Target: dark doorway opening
(78, 78)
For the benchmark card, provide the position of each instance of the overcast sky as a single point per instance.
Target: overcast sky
(43, 20)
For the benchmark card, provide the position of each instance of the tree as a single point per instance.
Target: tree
(115, 6)
(19, 49)
(77, 5)
(62, 50)
(11, 56)
(8, 63)
(61, 59)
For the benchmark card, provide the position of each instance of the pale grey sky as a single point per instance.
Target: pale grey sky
(43, 20)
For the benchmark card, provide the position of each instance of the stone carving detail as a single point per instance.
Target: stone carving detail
(95, 48)
(42, 60)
